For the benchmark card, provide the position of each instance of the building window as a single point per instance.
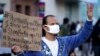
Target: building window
(27, 10)
(18, 8)
(2, 8)
(2, 5)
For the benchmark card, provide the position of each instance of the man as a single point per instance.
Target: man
(52, 45)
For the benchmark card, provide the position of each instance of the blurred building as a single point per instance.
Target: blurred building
(75, 10)
(28, 7)
(63, 8)
(5, 4)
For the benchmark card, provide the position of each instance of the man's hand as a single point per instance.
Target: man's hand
(90, 11)
(16, 49)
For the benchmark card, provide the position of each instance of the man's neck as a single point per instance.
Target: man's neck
(50, 37)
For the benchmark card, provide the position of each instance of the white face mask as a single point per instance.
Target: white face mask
(54, 29)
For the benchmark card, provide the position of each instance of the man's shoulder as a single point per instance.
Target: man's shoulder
(63, 38)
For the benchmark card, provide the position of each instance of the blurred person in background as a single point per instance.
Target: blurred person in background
(96, 38)
(79, 26)
(72, 28)
(65, 27)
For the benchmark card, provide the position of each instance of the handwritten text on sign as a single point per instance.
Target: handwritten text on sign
(22, 30)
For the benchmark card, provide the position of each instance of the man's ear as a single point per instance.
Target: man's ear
(45, 28)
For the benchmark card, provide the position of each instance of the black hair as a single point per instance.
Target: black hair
(45, 22)
(45, 19)
(1, 21)
(65, 20)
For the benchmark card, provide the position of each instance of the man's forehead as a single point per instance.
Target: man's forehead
(52, 19)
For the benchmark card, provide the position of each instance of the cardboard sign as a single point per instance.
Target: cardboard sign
(24, 31)
(90, 1)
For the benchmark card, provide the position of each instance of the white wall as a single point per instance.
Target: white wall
(7, 2)
(61, 10)
(75, 13)
(55, 9)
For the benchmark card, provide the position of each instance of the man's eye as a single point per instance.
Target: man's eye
(57, 23)
(52, 24)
